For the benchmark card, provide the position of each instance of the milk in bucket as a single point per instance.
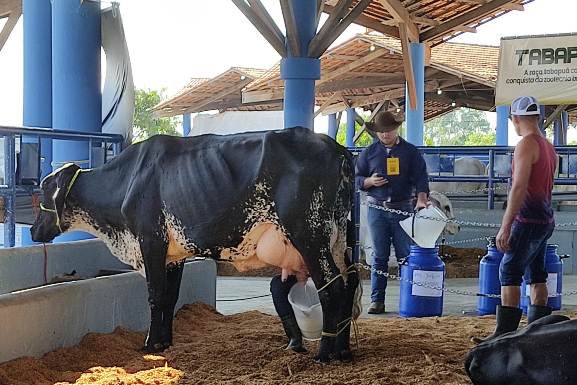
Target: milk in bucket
(423, 231)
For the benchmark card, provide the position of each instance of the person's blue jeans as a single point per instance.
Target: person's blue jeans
(385, 230)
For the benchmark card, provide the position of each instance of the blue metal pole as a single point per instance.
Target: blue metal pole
(564, 127)
(416, 118)
(502, 136)
(10, 195)
(186, 124)
(333, 127)
(558, 132)
(38, 74)
(351, 115)
(76, 95)
(300, 72)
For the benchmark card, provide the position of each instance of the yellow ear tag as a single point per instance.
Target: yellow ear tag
(393, 166)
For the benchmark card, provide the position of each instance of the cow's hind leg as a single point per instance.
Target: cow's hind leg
(343, 348)
(173, 280)
(154, 255)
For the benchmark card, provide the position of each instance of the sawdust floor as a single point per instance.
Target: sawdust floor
(246, 349)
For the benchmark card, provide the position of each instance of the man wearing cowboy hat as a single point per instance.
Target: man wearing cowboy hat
(389, 170)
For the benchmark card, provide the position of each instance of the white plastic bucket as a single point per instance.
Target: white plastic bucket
(306, 305)
(426, 231)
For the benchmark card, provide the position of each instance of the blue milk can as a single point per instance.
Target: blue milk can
(554, 267)
(424, 266)
(489, 279)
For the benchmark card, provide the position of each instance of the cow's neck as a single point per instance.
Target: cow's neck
(95, 199)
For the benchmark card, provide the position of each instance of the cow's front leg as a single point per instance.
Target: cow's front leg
(173, 280)
(330, 295)
(154, 254)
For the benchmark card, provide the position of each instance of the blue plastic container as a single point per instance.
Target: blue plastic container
(422, 266)
(489, 279)
(554, 267)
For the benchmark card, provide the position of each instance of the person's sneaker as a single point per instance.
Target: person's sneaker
(376, 308)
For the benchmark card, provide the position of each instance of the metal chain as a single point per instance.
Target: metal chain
(481, 190)
(445, 289)
(462, 223)
(464, 241)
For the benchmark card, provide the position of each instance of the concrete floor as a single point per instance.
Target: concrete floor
(232, 288)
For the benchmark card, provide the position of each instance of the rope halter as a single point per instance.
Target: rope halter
(54, 211)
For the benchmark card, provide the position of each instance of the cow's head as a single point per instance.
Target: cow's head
(51, 220)
(442, 202)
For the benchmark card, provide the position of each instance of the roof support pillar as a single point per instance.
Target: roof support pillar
(415, 118)
(38, 75)
(300, 72)
(351, 120)
(560, 129)
(502, 136)
(333, 127)
(76, 95)
(186, 124)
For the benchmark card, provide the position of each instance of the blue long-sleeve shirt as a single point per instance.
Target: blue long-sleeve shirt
(412, 171)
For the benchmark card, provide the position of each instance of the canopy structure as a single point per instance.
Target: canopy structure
(10, 10)
(427, 21)
(368, 69)
(221, 93)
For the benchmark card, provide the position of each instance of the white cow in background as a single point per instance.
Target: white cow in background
(366, 242)
(463, 166)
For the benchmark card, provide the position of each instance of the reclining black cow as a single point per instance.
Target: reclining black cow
(255, 199)
(543, 353)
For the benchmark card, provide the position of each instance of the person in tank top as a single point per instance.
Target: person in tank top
(528, 221)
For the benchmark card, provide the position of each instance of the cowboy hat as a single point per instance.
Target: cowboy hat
(384, 122)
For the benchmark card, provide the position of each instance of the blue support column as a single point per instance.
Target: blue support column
(351, 114)
(76, 95)
(558, 132)
(542, 119)
(333, 126)
(564, 126)
(186, 124)
(38, 74)
(502, 137)
(416, 118)
(300, 73)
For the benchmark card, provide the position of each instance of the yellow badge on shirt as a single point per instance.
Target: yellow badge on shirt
(393, 166)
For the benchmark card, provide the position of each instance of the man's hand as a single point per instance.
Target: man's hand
(502, 240)
(421, 204)
(375, 180)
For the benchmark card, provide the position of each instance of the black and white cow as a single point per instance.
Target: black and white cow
(266, 198)
(543, 353)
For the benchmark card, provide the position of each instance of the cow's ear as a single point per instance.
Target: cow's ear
(64, 177)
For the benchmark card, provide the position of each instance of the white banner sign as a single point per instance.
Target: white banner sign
(544, 67)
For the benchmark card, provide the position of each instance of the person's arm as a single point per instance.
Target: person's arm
(363, 179)
(421, 179)
(525, 155)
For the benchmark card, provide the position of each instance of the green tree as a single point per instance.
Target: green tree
(363, 141)
(145, 124)
(461, 127)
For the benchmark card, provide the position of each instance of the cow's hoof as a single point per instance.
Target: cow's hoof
(344, 356)
(154, 348)
(323, 358)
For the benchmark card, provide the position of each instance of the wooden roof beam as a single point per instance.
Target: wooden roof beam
(509, 7)
(318, 46)
(262, 95)
(292, 33)
(262, 26)
(227, 91)
(352, 66)
(356, 83)
(369, 22)
(555, 114)
(327, 103)
(463, 19)
(408, 65)
(373, 113)
(9, 26)
(401, 15)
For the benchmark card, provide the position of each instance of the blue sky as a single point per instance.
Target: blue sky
(174, 40)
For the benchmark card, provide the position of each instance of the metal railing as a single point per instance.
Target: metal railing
(488, 155)
(9, 189)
